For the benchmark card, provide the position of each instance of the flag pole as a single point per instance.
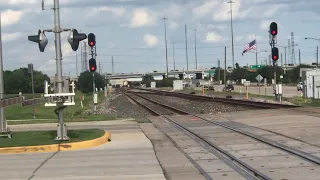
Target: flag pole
(255, 38)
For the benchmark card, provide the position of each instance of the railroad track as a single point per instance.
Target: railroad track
(229, 157)
(239, 102)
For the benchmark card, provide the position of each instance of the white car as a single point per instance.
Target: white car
(299, 86)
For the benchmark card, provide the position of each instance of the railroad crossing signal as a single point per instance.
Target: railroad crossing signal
(74, 39)
(92, 65)
(41, 39)
(91, 40)
(275, 53)
(273, 29)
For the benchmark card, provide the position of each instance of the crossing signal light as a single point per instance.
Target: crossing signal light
(273, 29)
(91, 40)
(275, 53)
(74, 39)
(92, 65)
(41, 39)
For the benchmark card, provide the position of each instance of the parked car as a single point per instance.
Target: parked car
(211, 88)
(227, 88)
(300, 86)
(230, 86)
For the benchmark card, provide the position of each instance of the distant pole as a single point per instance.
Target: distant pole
(285, 58)
(232, 33)
(281, 60)
(317, 56)
(185, 33)
(195, 48)
(299, 57)
(3, 122)
(225, 67)
(165, 36)
(219, 71)
(76, 64)
(112, 64)
(174, 59)
(99, 68)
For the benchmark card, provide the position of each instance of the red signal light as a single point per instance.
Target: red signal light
(92, 68)
(273, 32)
(275, 57)
(91, 43)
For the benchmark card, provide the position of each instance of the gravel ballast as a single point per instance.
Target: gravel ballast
(196, 107)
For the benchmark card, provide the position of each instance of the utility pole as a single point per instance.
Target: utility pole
(112, 64)
(3, 123)
(76, 64)
(99, 68)
(299, 57)
(62, 132)
(317, 56)
(85, 57)
(195, 48)
(225, 67)
(281, 60)
(174, 59)
(185, 33)
(285, 59)
(219, 71)
(81, 56)
(165, 36)
(232, 33)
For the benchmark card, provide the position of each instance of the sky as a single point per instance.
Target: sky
(133, 33)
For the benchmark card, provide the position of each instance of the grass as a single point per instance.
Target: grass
(33, 138)
(46, 114)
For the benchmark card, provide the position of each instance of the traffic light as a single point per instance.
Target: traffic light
(74, 39)
(41, 39)
(275, 53)
(273, 29)
(91, 40)
(92, 65)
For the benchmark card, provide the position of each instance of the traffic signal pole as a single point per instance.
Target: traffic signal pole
(62, 133)
(3, 122)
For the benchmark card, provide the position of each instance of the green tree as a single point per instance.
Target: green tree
(85, 82)
(19, 80)
(146, 79)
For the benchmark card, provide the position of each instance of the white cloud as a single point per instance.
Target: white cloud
(213, 37)
(251, 37)
(11, 36)
(150, 40)
(204, 9)
(19, 2)
(223, 12)
(173, 25)
(116, 11)
(238, 38)
(141, 17)
(264, 25)
(172, 11)
(10, 17)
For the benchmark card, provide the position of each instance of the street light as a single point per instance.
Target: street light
(165, 36)
(317, 39)
(232, 33)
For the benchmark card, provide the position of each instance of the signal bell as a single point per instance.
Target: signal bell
(273, 29)
(74, 39)
(275, 53)
(41, 39)
(92, 65)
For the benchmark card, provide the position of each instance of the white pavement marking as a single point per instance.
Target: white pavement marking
(129, 156)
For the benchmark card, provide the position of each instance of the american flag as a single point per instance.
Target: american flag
(251, 46)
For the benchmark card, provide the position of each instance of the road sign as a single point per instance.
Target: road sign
(212, 72)
(259, 78)
(255, 67)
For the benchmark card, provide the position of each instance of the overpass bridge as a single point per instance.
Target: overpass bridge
(200, 74)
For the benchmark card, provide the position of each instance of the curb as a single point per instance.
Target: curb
(58, 147)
